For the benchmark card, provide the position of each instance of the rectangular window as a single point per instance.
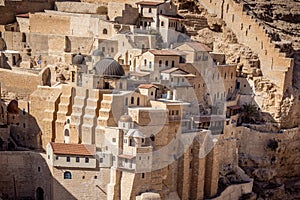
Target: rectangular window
(103, 49)
(114, 140)
(177, 112)
(56, 157)
(101, 160)
(143, 175)
(87, 160)
(77, 159)
(112, 49)
(68, 159)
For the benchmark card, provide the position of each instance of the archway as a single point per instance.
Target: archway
(39, 193)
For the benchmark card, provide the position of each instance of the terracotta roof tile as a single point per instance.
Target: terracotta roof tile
(73, 149)
(147, 86)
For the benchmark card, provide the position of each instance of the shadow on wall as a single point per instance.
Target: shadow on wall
(22, 130)
(26, 175)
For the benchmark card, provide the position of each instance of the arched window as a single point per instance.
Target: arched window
(104, 31)
(138, 101)
(132, 100)
(67, 175)
(162, 23)
(68, 121)
(145, 62)
(231, 75)
(67, 132)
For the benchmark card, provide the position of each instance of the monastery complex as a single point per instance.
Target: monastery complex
(119, 100)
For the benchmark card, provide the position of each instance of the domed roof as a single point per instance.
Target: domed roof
(125, 118)
(98, 52)
(13, 107)
(109, 67)
(135, 133)
(78, 59)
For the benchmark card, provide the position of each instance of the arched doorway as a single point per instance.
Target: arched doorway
(39, 193)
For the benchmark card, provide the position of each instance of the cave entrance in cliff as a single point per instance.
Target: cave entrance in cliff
(39, 194)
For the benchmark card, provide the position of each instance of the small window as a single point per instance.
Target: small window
(177, 112)
(67, 175)
(87, 160)
(112, 49)
(162, 23)
(83, 177)
(167, 63)
(56, 157)
(173, 63)
(103, 49)
(104, 31)
(24, 112)
(150, 64)
(150, 10)
(132, 100)
(95, 177)
(68, 159)
(145, 62)
(160, 63)
(39, 169)
(138, 101)
(143, 175)
(101, 160)
(77, 159)
(114, 140)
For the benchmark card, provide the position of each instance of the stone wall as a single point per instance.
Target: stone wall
(19, 82)
(256, 150)
(235, 191)
(274, 65)
(22, 173)
(81, 7)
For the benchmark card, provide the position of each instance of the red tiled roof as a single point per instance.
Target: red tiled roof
(147, 86)
(149, 3)
(166, 52)
(73, 149)
(197, 46)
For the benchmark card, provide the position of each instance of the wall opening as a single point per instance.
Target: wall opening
(39, 193)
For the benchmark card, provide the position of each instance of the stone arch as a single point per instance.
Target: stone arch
(46, 77)
(67, 175)
(67, 132)
(39, 193)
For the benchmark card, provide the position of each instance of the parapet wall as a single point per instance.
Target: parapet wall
(274, 64)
